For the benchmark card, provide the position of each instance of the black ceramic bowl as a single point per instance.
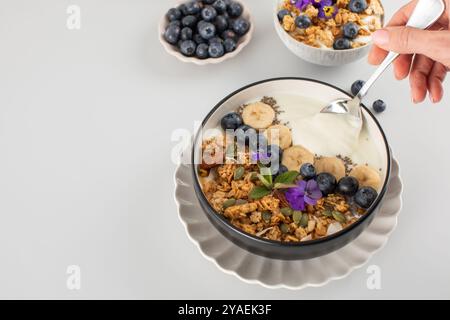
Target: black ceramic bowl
(275, 249)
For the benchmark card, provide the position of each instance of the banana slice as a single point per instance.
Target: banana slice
(279, 135)
(258, 115)
(367, 177)
(334, 166)
(294, 157)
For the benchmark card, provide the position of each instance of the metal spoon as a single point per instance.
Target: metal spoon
(426, 13)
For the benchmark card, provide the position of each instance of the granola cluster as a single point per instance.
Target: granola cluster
(323, 32)
(227, 187)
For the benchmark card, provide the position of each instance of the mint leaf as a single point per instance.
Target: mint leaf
(259, 192)
(266, 173)
(265, 182)
(287, 177)
(284, 186)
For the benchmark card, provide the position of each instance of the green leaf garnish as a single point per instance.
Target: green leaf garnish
(287, 177)
(259, 192)
(284, 186)
(266, 173)
(265, 182)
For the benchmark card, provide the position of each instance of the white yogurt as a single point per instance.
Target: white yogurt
(328, 134)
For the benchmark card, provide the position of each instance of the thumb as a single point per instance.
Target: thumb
(406, 40)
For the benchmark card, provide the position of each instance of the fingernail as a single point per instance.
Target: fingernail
(432, 98)
(381, 37)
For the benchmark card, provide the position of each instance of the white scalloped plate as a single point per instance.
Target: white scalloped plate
(274, 274)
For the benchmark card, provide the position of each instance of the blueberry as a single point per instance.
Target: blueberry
(173, 14)
(282, 13)
(350, 30)
(198, 39)
(220, 6)
(183, 9)
(245, 134)
(172, 34)
(229, 34)
(174, 23)
(186, 33)
(202, 51)
(245, 128)
(307, 171)
(215, 39)
(221, 23)
(357, 86)
(281, 169)
(209, 13)
(231, 121)
(327, 183)
(230, 45)
(365, 197)
(216, 49)
(189, 21)
(342, 44)
(200, 23)
(357, 6)
(193, 7)
(348, 186)
(206, 30)
(208, 1)
(188, 48)
(379, 106)
(241, 26)
(235, 9)
(303, 21)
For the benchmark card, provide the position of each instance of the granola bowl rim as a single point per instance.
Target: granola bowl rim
(327, 239)
(203, 200)
(173, 51)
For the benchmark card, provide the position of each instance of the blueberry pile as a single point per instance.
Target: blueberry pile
(348, 186)
(207, 28)
(378, 106)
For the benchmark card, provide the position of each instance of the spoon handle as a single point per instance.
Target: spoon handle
(425, 14)
(383, 66)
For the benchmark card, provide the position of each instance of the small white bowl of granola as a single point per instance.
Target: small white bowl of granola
(328, 32)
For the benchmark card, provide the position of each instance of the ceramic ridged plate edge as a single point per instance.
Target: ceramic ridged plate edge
(270, 273)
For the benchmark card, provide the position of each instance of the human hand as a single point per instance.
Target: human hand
(425, 54)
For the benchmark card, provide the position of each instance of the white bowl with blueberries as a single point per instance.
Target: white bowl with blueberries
(348, 41)
(206, 31)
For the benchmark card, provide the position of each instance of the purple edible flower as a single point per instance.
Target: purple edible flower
(260, 156)
(304, 193)
(326, 8)
(328, 12)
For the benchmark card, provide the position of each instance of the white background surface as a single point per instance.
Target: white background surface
(86, 119)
